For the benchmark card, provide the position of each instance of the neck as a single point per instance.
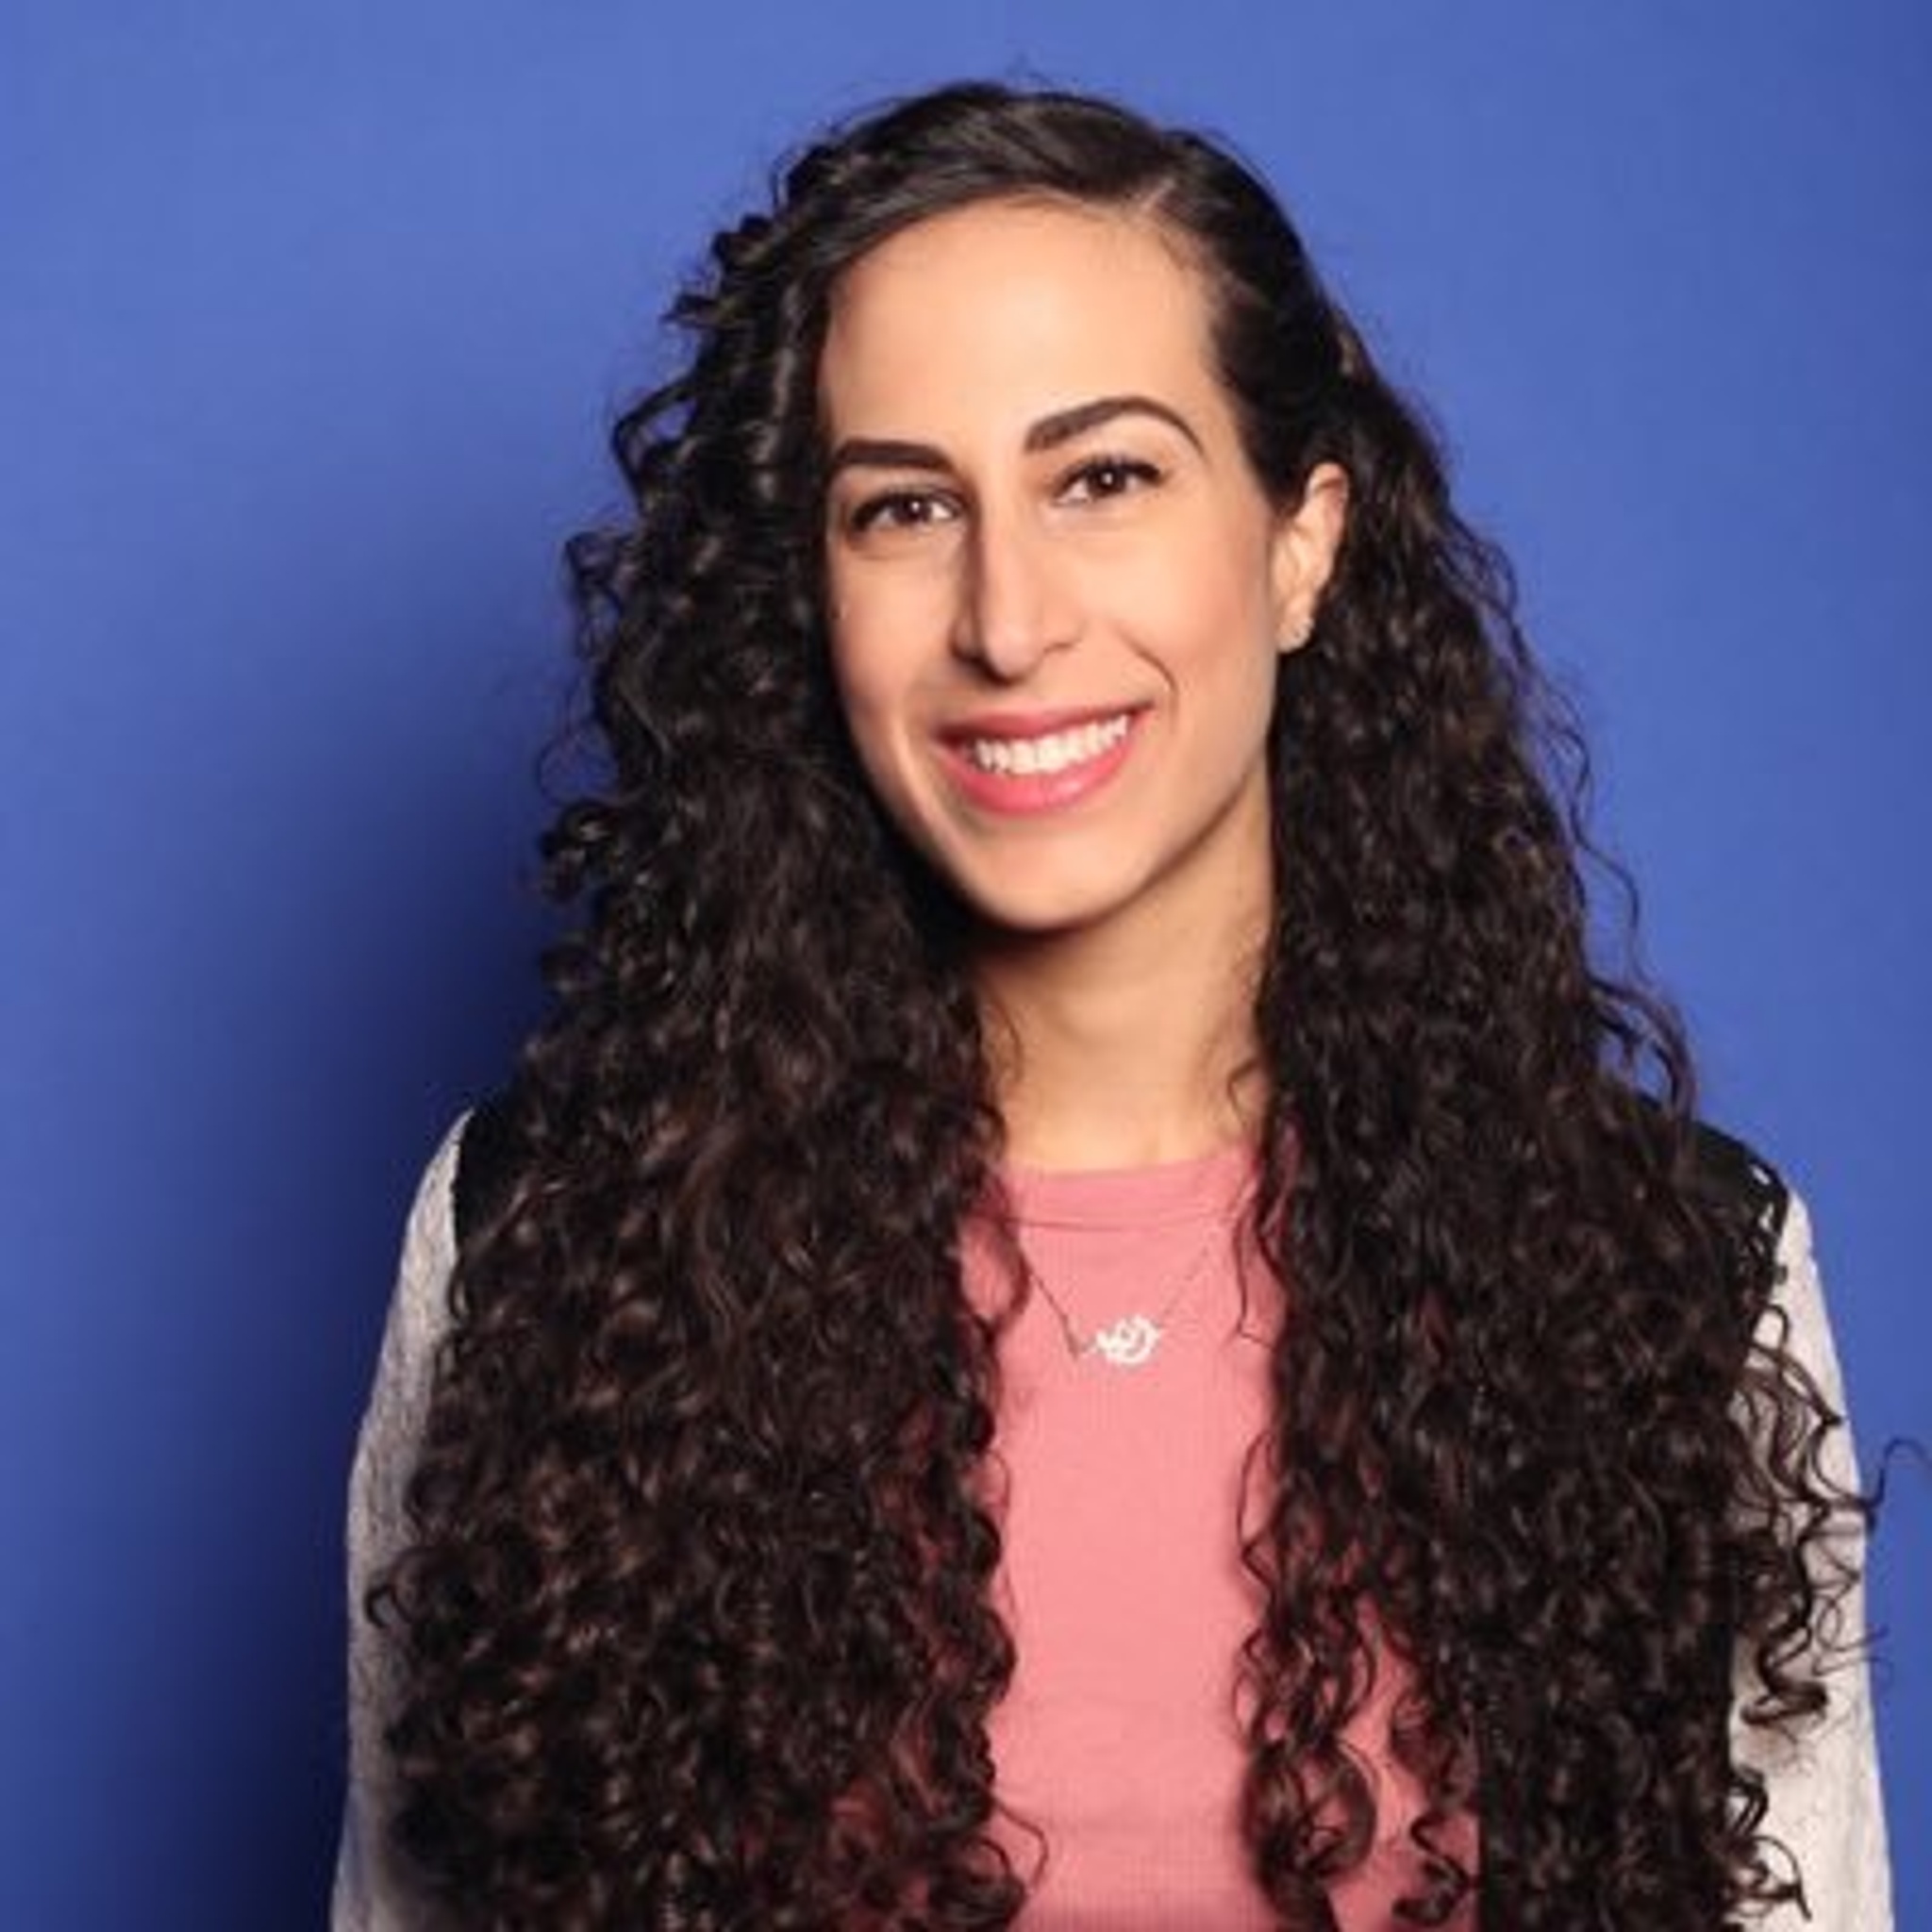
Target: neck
(1124, 1049)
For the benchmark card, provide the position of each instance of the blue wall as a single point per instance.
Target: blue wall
(312, 316)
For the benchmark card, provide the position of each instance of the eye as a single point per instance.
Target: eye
(1101, 477)
(899, 509)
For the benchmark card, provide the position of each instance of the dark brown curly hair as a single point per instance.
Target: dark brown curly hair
(696, 1618)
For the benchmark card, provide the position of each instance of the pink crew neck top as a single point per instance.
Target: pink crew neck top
(1119, 1743)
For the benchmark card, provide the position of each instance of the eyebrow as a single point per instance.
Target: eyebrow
(1049, 432)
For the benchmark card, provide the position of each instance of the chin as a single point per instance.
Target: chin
(1041, 914)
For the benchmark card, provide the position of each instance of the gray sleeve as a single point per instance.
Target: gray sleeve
(1824, 1790)
(372, 1893)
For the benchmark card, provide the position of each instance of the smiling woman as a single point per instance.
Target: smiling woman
(1085, 1302)
(1057, 588)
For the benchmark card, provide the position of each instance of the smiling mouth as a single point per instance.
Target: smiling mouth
(1049, 752)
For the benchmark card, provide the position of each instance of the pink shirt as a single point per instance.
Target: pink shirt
(1122, 1578)
(1125, 1633)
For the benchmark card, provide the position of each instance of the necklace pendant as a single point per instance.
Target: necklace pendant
(1126, 1344)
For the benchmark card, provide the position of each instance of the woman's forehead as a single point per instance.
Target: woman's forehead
(1018, 306)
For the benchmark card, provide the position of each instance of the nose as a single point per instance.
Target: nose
(1017, 605)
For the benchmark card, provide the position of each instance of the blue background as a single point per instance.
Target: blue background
(313, 317)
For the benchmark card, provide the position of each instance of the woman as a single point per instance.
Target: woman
(1086, 1300)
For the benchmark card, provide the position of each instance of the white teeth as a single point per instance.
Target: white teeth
(1023, 756)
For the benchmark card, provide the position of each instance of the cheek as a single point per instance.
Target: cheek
(861, 669)
(888, 633)
(872, 699)
(854, 657)
(1207, 620)
(1207, 578)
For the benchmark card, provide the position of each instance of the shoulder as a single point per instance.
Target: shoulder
(467, 1182)
(1736, 1173)
(1790, 1314)
(371, 1890)
(1789, 1324)
(418, 1318)
(1820, 1782)
(490, 1146)
(417, 1311)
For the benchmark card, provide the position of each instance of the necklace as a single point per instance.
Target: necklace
(1129, 1342)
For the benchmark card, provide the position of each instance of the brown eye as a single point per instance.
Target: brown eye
(900, 510)
(1101, 477)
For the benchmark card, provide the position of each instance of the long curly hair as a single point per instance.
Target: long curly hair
(696, 1618)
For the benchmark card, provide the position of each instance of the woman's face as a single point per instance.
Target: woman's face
(1056, 591)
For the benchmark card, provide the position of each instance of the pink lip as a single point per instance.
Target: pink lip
(1027, 795)
(1031, 724)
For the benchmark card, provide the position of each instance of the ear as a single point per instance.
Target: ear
(1307, 539)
